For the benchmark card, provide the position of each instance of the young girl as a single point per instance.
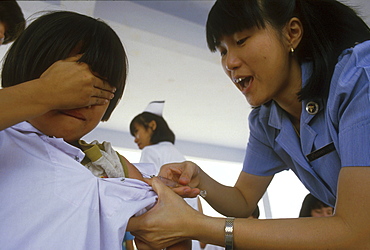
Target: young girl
(50, 199)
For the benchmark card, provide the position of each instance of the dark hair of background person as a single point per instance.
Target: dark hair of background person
(12, 17)
(53, 36)
(256, 213)
(310, 203)
(160, 134)
(329, 27)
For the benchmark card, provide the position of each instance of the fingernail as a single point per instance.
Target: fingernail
(114, 90)
(111, 96)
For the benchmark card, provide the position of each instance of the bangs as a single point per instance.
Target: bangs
(104, 52)
(229, 16)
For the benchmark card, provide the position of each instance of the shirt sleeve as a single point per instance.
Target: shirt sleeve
(349, 103)
(260, 158)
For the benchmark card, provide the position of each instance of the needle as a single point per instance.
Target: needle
(171, 183)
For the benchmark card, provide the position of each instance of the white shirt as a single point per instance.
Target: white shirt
(163, 153)
(160, 154)
(50, 201)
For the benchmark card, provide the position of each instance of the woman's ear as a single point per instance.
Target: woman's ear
(153, 125)
(293, 33)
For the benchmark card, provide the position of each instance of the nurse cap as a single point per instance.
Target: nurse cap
(155, 107)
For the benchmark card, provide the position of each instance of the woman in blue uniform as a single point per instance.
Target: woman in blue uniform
(304, 66)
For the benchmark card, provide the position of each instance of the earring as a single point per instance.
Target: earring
(291, 50)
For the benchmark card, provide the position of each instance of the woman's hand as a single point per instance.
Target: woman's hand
(162, 226)
(186, 174)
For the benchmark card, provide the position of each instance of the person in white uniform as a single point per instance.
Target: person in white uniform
(50, 193)
(156, 140)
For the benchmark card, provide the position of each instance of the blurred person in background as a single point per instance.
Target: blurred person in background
(12, 22)
(313, 207)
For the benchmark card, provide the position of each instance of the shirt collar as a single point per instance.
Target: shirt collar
(26, 127)
(277, 113)
(72, 151)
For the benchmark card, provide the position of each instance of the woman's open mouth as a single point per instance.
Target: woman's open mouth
(243, 83)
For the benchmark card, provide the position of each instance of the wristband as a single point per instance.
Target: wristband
(229, 233)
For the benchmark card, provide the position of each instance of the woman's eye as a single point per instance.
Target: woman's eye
(241, 41)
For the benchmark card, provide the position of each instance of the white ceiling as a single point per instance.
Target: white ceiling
(169, 60)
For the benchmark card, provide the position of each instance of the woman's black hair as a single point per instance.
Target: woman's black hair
(12, 17)
(162, 131)
(53, 36)
(329, 27)
(310, 203)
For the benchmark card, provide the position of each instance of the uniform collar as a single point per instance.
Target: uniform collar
(26, 127)
(74, 152)
(277, 113)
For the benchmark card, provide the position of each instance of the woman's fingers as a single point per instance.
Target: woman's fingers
(187, 174)
(186, 191)
(183, 191)
(184, 173)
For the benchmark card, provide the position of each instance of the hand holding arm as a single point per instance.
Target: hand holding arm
(162, 226)
(348, 228)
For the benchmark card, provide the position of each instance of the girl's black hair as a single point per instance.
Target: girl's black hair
(53, 36)
(12, 17)
(160, 134)
(329, 27)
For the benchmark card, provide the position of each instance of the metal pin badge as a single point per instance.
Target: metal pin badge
(312, 108)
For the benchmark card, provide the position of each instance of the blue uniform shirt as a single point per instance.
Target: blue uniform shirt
(343, 121)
